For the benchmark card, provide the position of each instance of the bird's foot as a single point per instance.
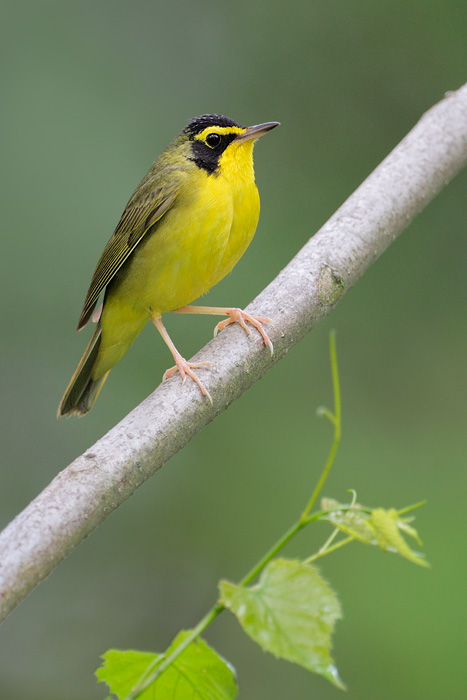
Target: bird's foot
(241, 317)
(185, 369)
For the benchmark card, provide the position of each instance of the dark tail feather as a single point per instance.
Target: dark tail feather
(82, 391)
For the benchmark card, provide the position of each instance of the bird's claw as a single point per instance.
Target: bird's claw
(185, 370)
(239, 316)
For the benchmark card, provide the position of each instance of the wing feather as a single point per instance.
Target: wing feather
(150, 201)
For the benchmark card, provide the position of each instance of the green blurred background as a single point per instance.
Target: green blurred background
(91, 92)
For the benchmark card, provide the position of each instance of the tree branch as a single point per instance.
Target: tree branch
(84, 493)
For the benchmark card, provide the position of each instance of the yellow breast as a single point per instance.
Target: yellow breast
(197, 242)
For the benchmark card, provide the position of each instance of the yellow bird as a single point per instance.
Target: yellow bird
(187, 224)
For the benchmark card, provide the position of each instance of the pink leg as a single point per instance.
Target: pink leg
(235, 316)
(181, 365)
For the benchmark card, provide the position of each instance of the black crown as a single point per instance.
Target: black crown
(198, 124)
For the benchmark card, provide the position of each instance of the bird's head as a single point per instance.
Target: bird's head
(216, 143)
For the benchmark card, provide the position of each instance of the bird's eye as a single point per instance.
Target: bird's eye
(213, 140)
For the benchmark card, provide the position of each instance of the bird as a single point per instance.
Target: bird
(184, 228)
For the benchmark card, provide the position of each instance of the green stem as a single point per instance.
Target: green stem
(328, 550)
(299, 525)
(253, 573)
(330, 540)
(335, 420)
(409, 508)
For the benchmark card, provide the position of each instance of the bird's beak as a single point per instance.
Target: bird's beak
(254, 132)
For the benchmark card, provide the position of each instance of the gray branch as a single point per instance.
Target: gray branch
(84, 493)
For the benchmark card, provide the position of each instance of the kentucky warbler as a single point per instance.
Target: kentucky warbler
(187, 224)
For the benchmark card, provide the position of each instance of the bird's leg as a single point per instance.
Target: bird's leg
(181, 365)
(235, 316)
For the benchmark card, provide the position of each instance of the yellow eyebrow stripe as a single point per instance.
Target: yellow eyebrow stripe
(221, 130)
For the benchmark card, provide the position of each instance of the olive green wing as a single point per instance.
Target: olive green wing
(150, 201)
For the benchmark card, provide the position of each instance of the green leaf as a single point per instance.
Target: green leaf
(291, 613)
(199, 673)
(387, 524)
(122, 670)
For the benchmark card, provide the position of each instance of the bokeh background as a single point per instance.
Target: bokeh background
(91, 92)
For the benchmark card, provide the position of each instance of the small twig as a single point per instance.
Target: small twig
(335, 419)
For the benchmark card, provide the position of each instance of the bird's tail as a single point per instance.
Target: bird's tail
(82, 390)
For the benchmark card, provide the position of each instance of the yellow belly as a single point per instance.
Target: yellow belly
(190, 249)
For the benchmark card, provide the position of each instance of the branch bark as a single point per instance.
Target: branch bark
(84, 493)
